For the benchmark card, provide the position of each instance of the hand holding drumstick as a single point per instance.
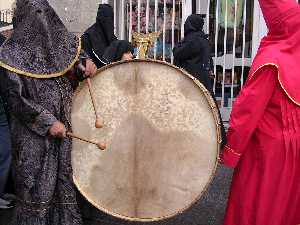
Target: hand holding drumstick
(90, 70)
(58, 130)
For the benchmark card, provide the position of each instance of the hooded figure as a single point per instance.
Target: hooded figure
(39, 57)
(193, 55)
(193, 52)
(117, 51)
(99, 36)
(263, 138)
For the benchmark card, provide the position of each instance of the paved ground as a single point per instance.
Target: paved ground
(208, 211)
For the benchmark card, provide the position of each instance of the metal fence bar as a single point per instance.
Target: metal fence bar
(126, 20)
(216, 44)
(225, 51)
(130, 21)
(207, 16)
(147, 15)
(182, 16)
(122, 21)
(199, 7)
(173, 28)
(164, 31)
(155, 26)
(233, 52)
(244, 41)
(115, 16)
(139, 16)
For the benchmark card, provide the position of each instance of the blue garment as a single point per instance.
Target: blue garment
(5, 144)
(5, 151)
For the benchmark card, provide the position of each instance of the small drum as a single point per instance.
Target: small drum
(162, 133)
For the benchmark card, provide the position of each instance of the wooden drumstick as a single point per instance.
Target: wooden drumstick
(101, 146)
(99, 122)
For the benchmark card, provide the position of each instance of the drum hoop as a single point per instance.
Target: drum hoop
(214, 109)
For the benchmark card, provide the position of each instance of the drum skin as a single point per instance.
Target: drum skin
(162, 133)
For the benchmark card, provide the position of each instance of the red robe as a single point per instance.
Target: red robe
(264, 148)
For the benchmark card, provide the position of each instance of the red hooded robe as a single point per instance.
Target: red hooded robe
(264, 135)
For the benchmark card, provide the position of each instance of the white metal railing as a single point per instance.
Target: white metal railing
(228, 22)
(6, 16)
(229, 26)
(6, 20)
(151, 16)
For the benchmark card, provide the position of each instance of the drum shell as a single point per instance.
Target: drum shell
(122, 82)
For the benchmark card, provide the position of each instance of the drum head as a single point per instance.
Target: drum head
(162, 134)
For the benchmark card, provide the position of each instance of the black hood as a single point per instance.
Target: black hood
(101, 34)
(105, 21)
(194, 23)
(40, 45)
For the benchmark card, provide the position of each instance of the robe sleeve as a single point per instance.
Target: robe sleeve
(247, 111)
(33, 115)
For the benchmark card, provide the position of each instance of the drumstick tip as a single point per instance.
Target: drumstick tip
(101, 146)
(98, 123)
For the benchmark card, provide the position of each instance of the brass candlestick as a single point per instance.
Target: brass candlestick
(143, 42)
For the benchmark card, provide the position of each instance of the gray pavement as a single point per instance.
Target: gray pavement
(208, 211)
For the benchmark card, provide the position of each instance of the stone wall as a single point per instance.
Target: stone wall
(77, 15)
(5, 4)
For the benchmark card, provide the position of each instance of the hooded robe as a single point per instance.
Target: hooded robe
(264, 135)
(37, 58)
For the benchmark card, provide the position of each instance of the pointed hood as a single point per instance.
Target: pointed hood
(194, 23)
(105, 21)
(101, 34)
(281, 46)
(274, 11)
(40, 45)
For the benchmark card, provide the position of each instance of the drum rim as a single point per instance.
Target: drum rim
(217, 120)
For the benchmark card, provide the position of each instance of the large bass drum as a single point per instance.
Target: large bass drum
(162, 132)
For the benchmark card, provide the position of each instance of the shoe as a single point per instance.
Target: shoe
(6, 204)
